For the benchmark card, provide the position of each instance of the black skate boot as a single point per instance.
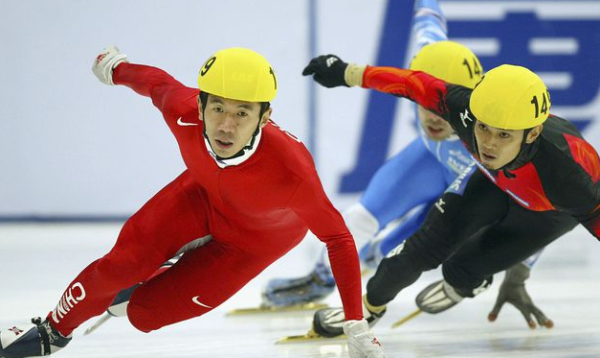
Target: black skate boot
(31, 340)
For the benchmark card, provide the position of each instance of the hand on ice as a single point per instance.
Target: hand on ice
(513, 291)
(361, 341)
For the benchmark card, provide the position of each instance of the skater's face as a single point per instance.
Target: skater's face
(230, 123)
(498, 147)
(434, 126)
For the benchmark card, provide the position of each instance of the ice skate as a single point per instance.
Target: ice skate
(31, 340)
(439, 297)
(297, 294)
(329, 323)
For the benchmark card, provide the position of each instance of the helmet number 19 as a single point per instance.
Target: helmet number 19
(273, 74)
(544, 109)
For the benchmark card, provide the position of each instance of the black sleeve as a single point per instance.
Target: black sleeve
(459, 115)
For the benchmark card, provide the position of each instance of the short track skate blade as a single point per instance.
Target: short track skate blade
(406, 318)
(310, 336)
(273, 309)
(96, 325)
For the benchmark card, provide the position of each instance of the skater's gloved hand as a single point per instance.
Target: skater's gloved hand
(513, 291)
(330, 71)
(361, 341)
(105, 63)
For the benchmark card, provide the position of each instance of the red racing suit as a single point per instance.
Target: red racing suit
(255, 212)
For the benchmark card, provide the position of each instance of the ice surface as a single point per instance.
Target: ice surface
(38, 261)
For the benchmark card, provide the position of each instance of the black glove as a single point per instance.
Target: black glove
(327, 70)
(513, 291)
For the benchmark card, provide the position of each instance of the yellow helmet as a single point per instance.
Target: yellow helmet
(449, 61)
(240, 74)
(511, 97)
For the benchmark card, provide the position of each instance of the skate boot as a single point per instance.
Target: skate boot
(440, 296)
(289, 292)
(31, 340)
(329, 322)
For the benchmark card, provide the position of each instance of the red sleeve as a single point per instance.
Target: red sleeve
(168, 95)
(312, 205)
(583, 192)
(417, 86)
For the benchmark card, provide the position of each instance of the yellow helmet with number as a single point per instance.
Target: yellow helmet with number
(449, 61)
(511, 97)
(240, 74)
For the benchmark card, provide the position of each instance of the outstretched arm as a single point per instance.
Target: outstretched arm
(429, 24)
(112, 68)
(419, 87)
(428, 91)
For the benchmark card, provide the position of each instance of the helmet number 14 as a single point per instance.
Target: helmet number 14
(544, 109)
(475, 70)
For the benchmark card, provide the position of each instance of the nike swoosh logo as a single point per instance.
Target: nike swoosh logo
(195, 300)
(185, 124)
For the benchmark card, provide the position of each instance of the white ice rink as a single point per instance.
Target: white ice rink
(38, 261)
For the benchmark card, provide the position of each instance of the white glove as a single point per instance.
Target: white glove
(106, 62)
(361, 341)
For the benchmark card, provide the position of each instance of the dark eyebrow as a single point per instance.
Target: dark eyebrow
(218, 100)
(501, 130)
